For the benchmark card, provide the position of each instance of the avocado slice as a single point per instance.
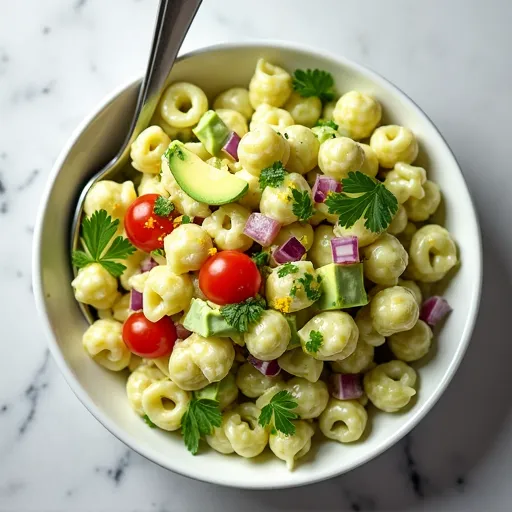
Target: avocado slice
(206, 321)
(212, 132)
(202, 181)
(342, 286)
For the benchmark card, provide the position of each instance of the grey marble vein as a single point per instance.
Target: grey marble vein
(29, 180)
(33, 393)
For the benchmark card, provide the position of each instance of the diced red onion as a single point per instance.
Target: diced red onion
(135, 300)
(323, 185)
(291, 250)
(261, 229)
(147, 264)
(345, 249)
(434, 309)
(231, 146)
(267, 368)
(346, 386)
(198, 220)
(182, 332)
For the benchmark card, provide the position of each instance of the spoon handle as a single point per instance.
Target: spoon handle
(173, 20)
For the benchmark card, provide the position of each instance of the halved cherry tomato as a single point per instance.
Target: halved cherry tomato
(144, 228)
(149, 339)
(229, 277)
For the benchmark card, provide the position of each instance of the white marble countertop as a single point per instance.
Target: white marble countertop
(58, 58)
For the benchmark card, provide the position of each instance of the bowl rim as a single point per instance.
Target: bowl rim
(120, 434)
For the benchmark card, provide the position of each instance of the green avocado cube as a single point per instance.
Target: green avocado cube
(323, 133)
(342, 286)
(206, 321)
(212, 132)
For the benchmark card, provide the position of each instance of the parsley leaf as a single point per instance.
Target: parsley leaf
(313, 291)
(185, 219)
(241, 314)
(315, 341)
(261, 258)
(375, 202)
(97, 233)
(280, 408)
(163, 207)
(148, 422)
(329, 124)
(302, 204)
(199, 420)
(314, 82)
(287, 268)
(272, 176)
(159, 252)
(174, 149)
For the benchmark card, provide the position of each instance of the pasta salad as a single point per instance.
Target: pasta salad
(265, 276)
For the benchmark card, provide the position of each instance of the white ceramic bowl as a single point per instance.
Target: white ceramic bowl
(103, 392)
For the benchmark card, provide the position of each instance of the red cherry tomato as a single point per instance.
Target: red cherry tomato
(229, 277)
(149, 339)
(144, 228)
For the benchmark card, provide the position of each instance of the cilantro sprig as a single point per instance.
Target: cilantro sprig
(329, 124)
(314, 82)
(365, 197)
(314, 342)
(280, 410)
(302, 204)
(286, 269)
(163, 207)
(261, 258)
(310, 285)
(200, 418)
(148, 422)
(242, 314)
(272, 176)
(97, 233)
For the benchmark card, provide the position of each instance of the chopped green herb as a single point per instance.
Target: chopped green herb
(311, 286)
(314, 82)
(174, 149)
(315, 341)
(330, 124)
(185, 219)
(261, 258)
(148, 422)
(286, 136)
(273, 176)
(159, 252)
(201, 417)
(97, 233)
(373, 201)
(302, 205)
(163, 207)
(287, 268)
(279, 409)
(242, 314)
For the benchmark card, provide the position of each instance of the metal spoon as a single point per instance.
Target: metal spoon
(173, 21)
